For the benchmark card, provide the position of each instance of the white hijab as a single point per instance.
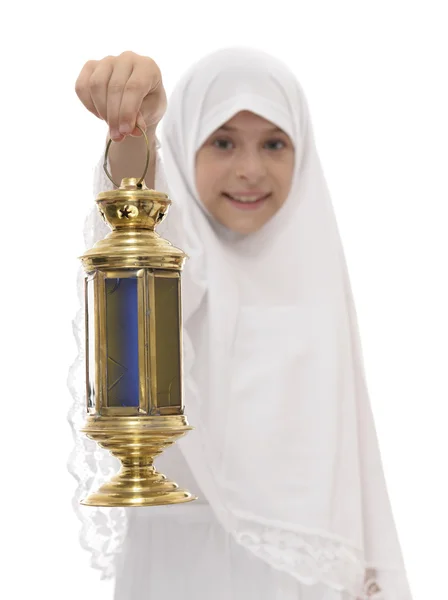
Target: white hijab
(284, 446)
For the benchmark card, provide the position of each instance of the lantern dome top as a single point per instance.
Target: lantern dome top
(133, 211)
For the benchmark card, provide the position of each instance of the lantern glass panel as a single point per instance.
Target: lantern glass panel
(122, 342)
(168, 341)
(91, 388)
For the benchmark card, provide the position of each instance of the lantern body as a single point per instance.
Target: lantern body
(133, 346)
(133, 337)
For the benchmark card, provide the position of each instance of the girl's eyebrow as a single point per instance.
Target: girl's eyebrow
(272, 130)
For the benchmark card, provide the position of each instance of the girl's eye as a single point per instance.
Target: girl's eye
(222, 144)
(275, 144)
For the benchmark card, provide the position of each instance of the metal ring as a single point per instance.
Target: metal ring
(139, 184)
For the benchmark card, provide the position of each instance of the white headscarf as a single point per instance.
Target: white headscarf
(284, 446)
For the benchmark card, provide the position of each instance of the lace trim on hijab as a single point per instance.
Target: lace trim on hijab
(103, 529)
(312, 558)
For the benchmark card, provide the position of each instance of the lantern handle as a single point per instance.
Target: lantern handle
(139, 183)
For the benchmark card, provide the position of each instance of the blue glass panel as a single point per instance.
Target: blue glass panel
(122, 342)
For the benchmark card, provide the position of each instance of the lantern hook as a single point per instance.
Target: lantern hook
(139, 183)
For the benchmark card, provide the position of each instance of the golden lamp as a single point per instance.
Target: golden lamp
(134, 344)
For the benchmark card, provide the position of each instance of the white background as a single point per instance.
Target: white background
(375, 77)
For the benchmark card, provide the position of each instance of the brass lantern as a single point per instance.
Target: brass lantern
(134, 345)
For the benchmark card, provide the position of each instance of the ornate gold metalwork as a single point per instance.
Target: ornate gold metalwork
(136, 442)
(136, 433)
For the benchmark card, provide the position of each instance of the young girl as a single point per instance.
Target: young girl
(284, 456)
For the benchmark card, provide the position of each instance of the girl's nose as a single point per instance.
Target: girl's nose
(250, 167)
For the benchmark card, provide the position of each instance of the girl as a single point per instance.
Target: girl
(284, 456)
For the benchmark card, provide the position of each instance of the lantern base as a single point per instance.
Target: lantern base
(136, 442)
(142, 486)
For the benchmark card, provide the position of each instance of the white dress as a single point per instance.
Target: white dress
(182, 552)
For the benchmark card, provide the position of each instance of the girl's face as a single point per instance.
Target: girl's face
(244, 172)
